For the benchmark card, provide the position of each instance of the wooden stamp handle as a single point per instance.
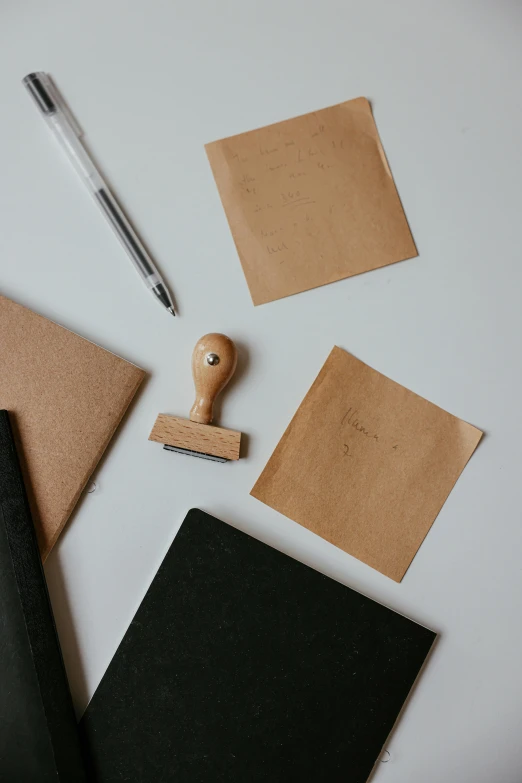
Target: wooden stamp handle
(213, 363)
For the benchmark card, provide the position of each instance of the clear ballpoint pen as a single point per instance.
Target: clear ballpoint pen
(69, 134)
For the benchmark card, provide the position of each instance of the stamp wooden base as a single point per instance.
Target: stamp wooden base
(205, 438)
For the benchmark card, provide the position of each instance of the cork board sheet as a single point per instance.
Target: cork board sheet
(310, 200)
(65, 397)
(366, 464)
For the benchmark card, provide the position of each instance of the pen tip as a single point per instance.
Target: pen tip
(171, 310)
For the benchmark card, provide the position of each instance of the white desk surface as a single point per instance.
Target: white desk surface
(151, 82)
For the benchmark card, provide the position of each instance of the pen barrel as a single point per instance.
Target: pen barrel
(76, 152)
(85, 167)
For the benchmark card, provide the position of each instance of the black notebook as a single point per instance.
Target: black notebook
(243, 665)
(38, 732)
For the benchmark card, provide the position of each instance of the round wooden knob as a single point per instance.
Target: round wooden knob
(213, 363)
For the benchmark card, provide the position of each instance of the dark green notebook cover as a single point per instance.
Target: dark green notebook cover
(243, 665)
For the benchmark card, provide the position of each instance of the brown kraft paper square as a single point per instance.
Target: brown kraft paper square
(310, 200)
(366, 464)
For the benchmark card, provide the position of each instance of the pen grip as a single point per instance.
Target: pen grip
(127, 236)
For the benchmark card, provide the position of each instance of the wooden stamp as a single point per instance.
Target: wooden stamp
(214, 360)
